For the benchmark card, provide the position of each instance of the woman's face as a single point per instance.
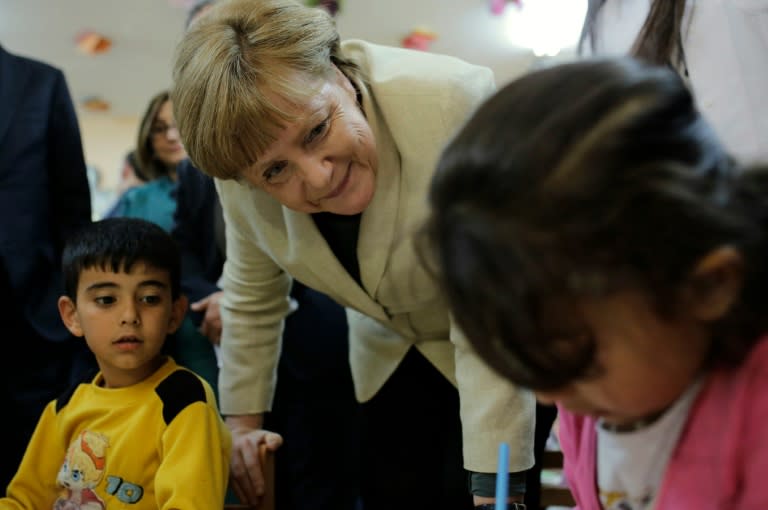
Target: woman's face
(165, 137)
(326, 160)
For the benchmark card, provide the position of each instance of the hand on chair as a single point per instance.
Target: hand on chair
(246, 472)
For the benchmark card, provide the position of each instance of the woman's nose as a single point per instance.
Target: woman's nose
(317, 172)
(172, 133)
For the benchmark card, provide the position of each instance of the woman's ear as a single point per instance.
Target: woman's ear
(178, 311)
(68, 312)
(715, 283)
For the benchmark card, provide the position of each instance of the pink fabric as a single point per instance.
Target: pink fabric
(721, 459)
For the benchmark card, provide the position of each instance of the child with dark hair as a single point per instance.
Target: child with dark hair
(143, 432)
(609, 254)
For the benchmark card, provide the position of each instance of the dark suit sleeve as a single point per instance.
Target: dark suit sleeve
(192, 231)
(69, 192)
(57, 196)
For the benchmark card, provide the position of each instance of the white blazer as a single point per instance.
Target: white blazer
(414, 101)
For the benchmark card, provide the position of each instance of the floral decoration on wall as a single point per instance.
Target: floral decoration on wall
(92, 43)
(419, 39)
(95, 104)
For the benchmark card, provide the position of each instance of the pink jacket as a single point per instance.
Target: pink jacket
(721, 459)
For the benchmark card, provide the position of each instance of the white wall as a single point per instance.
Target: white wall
(106, 140)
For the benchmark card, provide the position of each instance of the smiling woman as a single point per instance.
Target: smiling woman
(323, 152)
(326, 161)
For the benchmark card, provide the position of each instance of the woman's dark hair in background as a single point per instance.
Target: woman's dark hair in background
(149, 165)
(580, 180)
(659, 41)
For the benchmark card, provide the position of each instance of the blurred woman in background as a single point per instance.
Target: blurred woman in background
(158, 151)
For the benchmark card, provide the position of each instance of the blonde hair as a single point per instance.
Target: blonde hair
(237, 75)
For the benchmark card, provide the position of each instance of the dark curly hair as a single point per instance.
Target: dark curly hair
(617, 184)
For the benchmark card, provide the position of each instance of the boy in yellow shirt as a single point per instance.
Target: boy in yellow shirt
(143, 432)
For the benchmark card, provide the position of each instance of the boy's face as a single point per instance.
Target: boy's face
(124, 318)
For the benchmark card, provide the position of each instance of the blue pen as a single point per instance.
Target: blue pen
(502, 477)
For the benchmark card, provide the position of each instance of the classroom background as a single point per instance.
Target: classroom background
(116, 54)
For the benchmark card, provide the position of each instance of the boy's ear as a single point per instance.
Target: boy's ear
(68, 312)
(715, 283)
(178, 311)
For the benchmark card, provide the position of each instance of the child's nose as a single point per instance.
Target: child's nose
(130, 316)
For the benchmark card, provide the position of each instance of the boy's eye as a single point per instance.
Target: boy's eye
(151, 300)
(104, 300)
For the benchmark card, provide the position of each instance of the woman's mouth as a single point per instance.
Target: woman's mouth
(342, 185)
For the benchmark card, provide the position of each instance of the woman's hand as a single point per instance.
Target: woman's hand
(246, 475)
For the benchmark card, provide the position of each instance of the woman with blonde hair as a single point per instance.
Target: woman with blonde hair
(322, 153)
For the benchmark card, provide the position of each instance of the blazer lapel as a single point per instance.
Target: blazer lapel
(377, 226)
(13, 76)
(308, 244)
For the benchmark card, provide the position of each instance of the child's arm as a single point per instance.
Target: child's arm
(194, 470)
(34, 485)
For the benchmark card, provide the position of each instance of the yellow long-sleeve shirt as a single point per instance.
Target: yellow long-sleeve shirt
(160, 444)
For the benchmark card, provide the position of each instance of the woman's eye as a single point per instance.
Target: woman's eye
(104, 300)
(317, 131)
(275, 173)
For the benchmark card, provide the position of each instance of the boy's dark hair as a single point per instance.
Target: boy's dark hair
(581, 180)
(116, 244)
